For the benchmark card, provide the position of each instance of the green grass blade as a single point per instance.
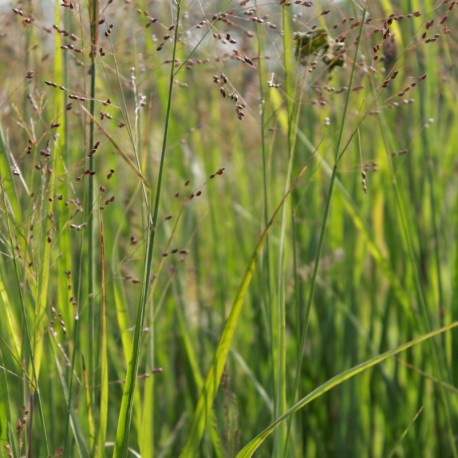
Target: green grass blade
(73, 421)
(198, 379)
(254, 444)
(5, 419)
(103, 415)
(205, 402)
(202, 412)
(33, 379)
(90, 206)
(125, 416)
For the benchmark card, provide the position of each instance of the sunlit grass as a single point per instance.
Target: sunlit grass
(206, 233)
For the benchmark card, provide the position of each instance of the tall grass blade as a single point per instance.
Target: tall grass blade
(103, 415)
(125, 416)
(249, 449)
(202, 412)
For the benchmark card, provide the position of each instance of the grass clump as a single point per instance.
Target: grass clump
(213, 214)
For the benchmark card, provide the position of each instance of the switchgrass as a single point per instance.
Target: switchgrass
(218, 238)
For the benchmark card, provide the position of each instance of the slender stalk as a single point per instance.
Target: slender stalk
(337, 156)
(266, 255)
(125, 417)
(34, 386)
(278, 306)
(92, 356)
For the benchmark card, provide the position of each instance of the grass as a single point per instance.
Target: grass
(218, 240)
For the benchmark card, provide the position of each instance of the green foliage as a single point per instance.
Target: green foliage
(228, 229)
